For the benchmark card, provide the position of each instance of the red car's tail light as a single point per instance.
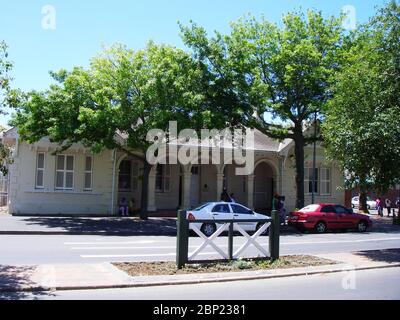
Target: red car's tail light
(191, 217)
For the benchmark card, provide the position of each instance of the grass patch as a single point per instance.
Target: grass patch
(169, 268)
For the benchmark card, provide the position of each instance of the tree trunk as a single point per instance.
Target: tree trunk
(362, 202)
(299, 155)
(145, 184)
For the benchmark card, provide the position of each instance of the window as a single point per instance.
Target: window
(310, 208)
(308, 180)
(221, 208)
(65, 172)
(88, 173)
(39, 183)
(340, 209)
(163, 178)
(325, 181)
(241, 210)
(124, 178)
(328, 209)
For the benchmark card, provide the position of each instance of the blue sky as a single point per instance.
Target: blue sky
(83, 26)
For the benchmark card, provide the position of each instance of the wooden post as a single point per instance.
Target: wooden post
(182, 239)
(274, 235)
(230, 241)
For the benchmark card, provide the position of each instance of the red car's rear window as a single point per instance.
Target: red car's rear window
(310, 208)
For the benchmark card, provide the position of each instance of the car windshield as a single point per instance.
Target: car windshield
(201, 207)
(310, 208)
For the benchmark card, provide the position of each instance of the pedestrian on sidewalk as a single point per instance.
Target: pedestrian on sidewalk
(388, 205)
(225, 196)
(398, 206)
(282, 210)
(379, 207)
(123, 207)
(276, 202)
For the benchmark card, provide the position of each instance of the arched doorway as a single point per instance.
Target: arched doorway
(264, 186)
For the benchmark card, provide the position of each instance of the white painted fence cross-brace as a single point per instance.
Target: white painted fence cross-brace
(251, 240)
(224, 227)
(209, 241)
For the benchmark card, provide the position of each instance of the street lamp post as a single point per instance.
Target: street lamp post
(314, 160)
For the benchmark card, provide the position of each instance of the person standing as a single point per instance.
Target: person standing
(388, 205)
(232, 197)
(379, 207)
(275, 202)
(123, 207)
(282, 210)
(398, 206)
(225, 196)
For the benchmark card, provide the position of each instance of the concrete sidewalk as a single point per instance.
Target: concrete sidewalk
(105, 275)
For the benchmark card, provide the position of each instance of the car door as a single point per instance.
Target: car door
(222, 211)
(242, 213)
(345, 217)
(328, 215)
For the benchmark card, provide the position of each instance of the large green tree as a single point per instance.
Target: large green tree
(5, 68)
(362, 129)
(263, 72)
(123, 91)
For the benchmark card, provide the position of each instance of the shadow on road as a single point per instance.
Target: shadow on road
(107, 226)
(387, 255)
(13, 278)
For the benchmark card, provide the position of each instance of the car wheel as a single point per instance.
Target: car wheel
(362, 226)
(259, 225)
(320, 227)
(208, 229)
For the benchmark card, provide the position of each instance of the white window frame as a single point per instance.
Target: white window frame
(130, 177)
(165, 178)
(308, 179)
(88, 172)
(40, 169)
(323, 180)
(65, 171)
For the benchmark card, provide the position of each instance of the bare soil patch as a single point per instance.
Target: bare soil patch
(169, 268)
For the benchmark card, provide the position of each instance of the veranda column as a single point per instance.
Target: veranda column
(220, 185)
(186, 181)
(151, 189)
(250, 191)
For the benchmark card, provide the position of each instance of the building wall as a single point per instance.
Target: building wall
(26, 199)
(169, 200)
(337, 195)
(208, 185)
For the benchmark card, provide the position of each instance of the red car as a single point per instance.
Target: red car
(324, 216)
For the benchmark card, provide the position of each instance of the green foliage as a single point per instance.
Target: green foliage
(261, 69)
(5, 68)
(122, 91)
(362, 129)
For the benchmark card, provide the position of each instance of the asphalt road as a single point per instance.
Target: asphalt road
(53, 249)
(365, 285)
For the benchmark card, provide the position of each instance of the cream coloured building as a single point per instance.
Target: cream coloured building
(78, 182)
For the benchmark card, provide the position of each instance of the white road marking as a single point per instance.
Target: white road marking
(115, 242)
(138, 255)
(340, 241)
